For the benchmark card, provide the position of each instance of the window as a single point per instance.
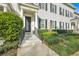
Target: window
(53, 8)
(42, 23)
(71, 15)
(53, 24)
(43, 6)
(60, 10)
(67, 25)
(63, 12)
(61, 25)
(40, 5)
(66, 12)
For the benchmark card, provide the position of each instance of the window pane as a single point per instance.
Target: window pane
(53, 24)
(61, 25)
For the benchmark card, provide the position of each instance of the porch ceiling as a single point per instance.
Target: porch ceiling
(74, 20)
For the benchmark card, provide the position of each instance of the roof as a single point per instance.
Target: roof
(70, 5)
(76, 13)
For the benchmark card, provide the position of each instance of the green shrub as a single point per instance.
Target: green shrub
(10, 26)
(48, 35)
(53, 40)
(64, 31)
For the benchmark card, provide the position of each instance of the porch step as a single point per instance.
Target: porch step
(27, 36)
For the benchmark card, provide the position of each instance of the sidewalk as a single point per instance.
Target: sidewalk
(35, 47)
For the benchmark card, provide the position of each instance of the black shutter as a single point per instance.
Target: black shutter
(46, 6)
(63, 25)
(55, 25)
(66, 26)
(39, 21)
(55, 9)
(60, 25)
(46, 23)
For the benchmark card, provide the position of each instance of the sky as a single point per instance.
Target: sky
(77, 7)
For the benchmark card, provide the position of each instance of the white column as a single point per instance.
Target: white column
(36, 21)
(5, 9)
(23, 17)
(21, 12)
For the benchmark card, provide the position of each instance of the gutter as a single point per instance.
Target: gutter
(70, 5)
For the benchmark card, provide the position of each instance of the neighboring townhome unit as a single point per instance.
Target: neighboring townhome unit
(75, 22)
(55, 16)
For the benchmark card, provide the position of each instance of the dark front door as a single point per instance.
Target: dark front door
(28, 24)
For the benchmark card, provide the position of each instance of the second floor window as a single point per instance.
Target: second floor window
(66, 13)
(61, 11)
(43, 6)
(53, 8)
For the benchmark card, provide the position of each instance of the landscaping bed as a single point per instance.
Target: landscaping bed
(9, 48)
(64, 44)
(10, 27)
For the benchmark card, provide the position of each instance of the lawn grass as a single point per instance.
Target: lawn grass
(63, 44)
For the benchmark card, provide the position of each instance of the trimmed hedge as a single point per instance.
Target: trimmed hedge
(64, 31)
(10, 26)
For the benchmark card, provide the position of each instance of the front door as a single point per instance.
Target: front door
(28, 24)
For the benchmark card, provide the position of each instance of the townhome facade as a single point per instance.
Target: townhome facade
(56, 16)
(42, 15)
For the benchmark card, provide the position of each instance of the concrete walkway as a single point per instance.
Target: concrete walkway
(34, 47)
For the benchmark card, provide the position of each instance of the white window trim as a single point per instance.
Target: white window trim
(43, 23)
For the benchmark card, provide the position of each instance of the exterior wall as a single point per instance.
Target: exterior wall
(30, 9)
(55, 17)
(4, 7)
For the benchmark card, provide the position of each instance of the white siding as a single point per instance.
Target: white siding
(55, 17)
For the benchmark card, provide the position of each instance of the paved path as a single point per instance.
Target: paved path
(35, 47)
